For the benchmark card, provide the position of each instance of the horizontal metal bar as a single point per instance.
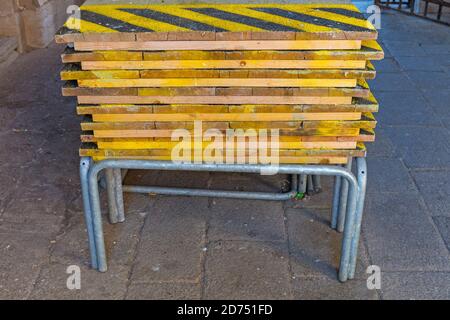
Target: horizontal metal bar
(249, 168)
(210, 193)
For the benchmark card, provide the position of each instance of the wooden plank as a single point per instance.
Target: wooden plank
(225, 117)
(370, 50)
(219, 45)
(198, 108)
(167, 133)
(284, 160)
(74, 72)
(70, 56)
(223, 64)
(214, 82)
(70, 89)
(296, 125)
(130, 144)
(364, 136)
(108, 99)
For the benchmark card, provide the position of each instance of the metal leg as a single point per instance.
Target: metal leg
(361, 167)
(119, 194)
(303, 178)
(111, 191)
(294, 182)
(317, 186)
(85, 164)
(336, 197)
(348, 230)
(309, 185)
(113, 179)
(343, 200)
(97, 217)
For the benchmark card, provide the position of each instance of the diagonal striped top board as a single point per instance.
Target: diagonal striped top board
(285, 21)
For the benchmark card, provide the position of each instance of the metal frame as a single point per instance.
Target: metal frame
(349, 215)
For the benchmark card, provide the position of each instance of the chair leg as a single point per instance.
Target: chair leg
(85, 164)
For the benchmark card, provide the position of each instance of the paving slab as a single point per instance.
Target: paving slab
(327, 289)
(410, 109)
(23, 255)
(434, 187)
(418, 63)
(415, 285)
(434, 80)
(438, 100)
(172, 241)
(247, 270)
(402, 48)
(421, 147)
(382, 147)
(35, 210)
(233, 219)
(391, 82)
(443, 225)
(71, 247)
(388, 175)
(164, 291)
(314, 247)
(401, 235)
(436, 48)
(52, 283)
(386, 65)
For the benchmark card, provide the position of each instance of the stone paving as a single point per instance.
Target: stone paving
(207, 248)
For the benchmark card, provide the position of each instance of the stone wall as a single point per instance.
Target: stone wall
(33, 22)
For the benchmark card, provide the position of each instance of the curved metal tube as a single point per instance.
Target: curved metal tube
(343, 199)
(85, 163)
(248, 168)
(361, 167)
(211, 193)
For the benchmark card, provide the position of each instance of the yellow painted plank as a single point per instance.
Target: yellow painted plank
(223, 64)
(130, 145)
(285, 160)
(226, 117)
(100, 74)
(213, 100)
(219, 45)
(205, 82)
(163, 133)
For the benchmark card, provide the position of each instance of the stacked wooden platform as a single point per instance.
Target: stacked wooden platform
(141, 71)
